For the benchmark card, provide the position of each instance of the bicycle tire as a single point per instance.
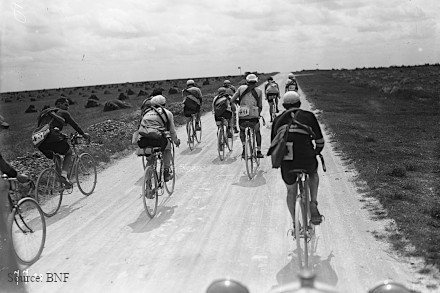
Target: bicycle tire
(190, 132)
(49, 192)
(221, 142)
(169, 186)
(248, 154)
(149, 192)
(300, 235)
(86, 176)
(27, 230)
(273, 113)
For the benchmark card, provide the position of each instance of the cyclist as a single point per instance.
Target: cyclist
(230, 89)
(222, 108)
(249, 97)
(192, 101)
(56, 141)
(302, 154)
(272, 91)
(291, 83)
(155, 121)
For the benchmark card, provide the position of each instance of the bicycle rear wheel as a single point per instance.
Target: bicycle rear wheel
(27, 230)
(49, 191)
(301, 234)
(169, 186)
(221, 142)
(149, 191)
(191, 135)
(248, 154)
(86, 175)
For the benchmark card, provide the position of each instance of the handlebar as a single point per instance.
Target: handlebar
(75, 136)
(306, 283)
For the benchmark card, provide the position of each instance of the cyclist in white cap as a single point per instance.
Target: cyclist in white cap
(251, 97)
(155, 122)
(302, 154)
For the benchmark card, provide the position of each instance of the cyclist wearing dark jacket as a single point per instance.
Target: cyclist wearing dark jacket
(302, 153)
(56, 141)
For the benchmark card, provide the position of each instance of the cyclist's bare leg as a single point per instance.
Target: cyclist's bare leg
(66, 162)
(167, 156)
(258, 136)
(313, 186)
(58, 163)
(276, 104)
(291, 198)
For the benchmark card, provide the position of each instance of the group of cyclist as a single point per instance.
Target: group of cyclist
(247, 102)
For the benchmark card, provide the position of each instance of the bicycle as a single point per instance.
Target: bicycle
(250, 154)
(304, 229)
(223, 139)
(26, 224)
(193, 134)
(51, 186)
(154, 181)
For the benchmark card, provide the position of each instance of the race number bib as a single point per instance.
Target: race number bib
(289, 155)
(244, 111)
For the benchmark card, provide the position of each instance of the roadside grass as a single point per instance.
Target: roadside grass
(393, 140)
(111, 131)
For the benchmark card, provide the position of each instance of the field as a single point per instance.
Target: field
(111, 131)
(385, 122)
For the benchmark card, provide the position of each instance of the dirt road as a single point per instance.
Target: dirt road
(216, 224)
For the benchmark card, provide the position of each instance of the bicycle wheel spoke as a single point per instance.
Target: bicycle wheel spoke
(86, 175)
(48, 192)
(27, 230)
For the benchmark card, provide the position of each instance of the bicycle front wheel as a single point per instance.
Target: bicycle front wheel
(221, 142)
(86, 175)
(49, 191)
(169, 185)
(27, 230)
(191, 135)
(301, 234)
(149, 191)
(248, 155)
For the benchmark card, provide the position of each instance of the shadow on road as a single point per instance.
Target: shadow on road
(144, 224)
(65, 210)
(258, 180)
(195, 151)
(321, 267)
(228, 160)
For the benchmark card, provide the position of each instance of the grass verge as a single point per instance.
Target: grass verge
(392, 138)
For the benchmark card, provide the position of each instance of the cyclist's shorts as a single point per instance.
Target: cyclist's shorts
(187, 112)
(309, 164)
(243, 123)
(227, 115)
(271, 97)
(59, 147)
(153, 139)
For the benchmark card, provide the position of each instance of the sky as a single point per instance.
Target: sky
(64, 43)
